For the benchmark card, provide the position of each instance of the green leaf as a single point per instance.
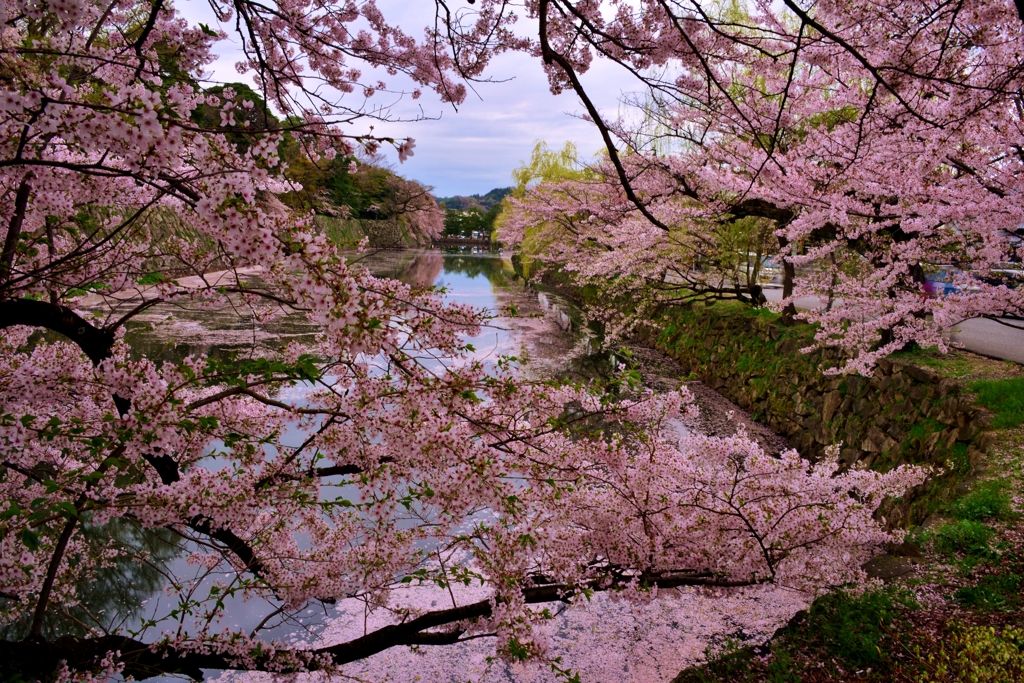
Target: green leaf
(12, 511)
(66, 509)
(30, 539)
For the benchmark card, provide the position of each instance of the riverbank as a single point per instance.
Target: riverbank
(943, 605)
(946, 604)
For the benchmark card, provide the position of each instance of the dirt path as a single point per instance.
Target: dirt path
(718, 415)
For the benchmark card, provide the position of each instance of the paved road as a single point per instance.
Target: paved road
(986, 337)
(990, 338)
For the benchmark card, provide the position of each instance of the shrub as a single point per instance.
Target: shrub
(852, 627)
(978, 655)
(965, 537)
(995, 592)
(850, 630)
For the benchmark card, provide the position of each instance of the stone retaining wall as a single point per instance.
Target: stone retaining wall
(902, 414)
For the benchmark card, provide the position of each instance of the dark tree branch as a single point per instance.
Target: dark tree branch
(39, 659)
(51, 574)
(14, 230)
(550, 56)
(94, 342)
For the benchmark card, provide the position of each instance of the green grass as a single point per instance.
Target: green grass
(988, 500)
(923, 429)
(966, 541)
(993, 593)
(958, 456)
(1005, 398)
(946, 364)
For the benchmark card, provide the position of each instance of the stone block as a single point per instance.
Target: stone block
(920, 374)
(844, 409)
(975, 455)
(789, 346)
(850, 456)
(887, 568)
(877, 442)
(831, 403)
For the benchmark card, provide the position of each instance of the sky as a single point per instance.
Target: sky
(474, 149)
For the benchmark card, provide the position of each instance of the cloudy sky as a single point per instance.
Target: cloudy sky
(474, 149)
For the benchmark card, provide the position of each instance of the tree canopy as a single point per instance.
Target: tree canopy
(418, 466)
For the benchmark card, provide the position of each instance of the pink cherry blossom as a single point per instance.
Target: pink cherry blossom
(382, 457)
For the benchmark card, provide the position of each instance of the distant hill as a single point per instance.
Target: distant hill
(482, 202)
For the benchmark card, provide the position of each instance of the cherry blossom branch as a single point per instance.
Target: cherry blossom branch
(551, 56)
(144, 661)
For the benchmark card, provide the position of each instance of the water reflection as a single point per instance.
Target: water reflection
(541, 330)
(113, 595)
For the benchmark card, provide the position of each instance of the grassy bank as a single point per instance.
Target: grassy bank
(949, 608)
(904, 413)
(946, 602)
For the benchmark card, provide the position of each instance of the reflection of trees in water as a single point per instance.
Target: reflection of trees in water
(423, 269)
(419, 269)
(475, 266)
(112, 596)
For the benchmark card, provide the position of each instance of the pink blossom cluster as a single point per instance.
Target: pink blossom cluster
(877, 144)
(417, 463)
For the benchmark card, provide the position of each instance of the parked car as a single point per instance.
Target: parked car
(771, 271)
(942, 280)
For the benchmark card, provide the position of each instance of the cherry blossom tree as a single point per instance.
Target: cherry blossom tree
(416, 466)
(881, 141)
(584, 227)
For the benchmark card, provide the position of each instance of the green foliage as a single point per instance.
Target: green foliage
(259, 117)
(993, 593)
(547, 165)
(852, 627)
(988, 500)
(151, 278)
(966, 538)
(1005, 398)
(471, 220)
(341, 232)
(977, 654)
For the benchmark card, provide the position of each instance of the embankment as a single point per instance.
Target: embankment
(901, 414)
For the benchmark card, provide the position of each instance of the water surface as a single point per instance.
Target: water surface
(605, 640)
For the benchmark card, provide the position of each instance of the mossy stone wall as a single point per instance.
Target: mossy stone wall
(901, 414)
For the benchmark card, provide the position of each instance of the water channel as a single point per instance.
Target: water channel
(605, 640)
